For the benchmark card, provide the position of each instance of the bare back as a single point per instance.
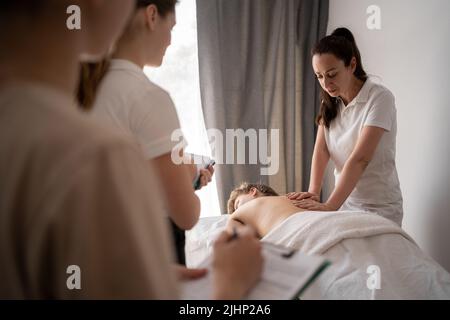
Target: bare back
(264, 213)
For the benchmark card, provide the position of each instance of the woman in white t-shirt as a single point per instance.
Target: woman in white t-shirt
(76, 200)
(357, 131)
(130, 102)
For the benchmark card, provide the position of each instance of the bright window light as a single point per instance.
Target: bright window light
(180, 77)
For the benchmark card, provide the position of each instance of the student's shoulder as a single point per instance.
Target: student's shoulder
(55, 123)
(86, 135)
(145, 93)
(155, 102)
(55, 139)
(134, 84)
(157, 93)
(130, 81)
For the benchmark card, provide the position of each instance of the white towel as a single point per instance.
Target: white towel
(314, 232)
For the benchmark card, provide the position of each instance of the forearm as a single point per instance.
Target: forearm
(350, 176)
(355, 165)
(182, 203)
(192, 168)
(188, 162)
(319, 164)
(317, 173)
(185, 210)
(223, 291)
(320, 159)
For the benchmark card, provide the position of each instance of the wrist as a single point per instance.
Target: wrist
(224, 291)
(224, 295)
(333, 206)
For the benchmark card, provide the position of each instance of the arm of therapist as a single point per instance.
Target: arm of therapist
(351, 173)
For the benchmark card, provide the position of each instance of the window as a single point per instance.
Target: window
(180, 77)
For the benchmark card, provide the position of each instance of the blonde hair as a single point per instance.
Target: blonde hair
(245, 188)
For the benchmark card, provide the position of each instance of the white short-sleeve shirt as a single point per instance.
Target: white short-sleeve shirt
(378, 189)
(129, 101)
(71, 192)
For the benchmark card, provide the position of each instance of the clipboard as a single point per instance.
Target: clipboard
(286, 274)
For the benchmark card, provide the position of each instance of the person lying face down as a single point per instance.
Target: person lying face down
(258, 206)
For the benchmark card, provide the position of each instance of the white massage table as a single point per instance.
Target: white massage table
(360, 246)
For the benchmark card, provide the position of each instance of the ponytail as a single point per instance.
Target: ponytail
(91, 74)
(345, 33)
(342, 45)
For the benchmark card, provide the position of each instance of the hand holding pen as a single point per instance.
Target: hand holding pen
(237, 263)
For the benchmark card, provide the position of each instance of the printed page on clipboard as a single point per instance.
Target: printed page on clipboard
(286, 275)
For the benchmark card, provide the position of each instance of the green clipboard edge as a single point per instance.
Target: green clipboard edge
(322, 267)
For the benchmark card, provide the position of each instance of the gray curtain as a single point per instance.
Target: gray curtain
(255, 73)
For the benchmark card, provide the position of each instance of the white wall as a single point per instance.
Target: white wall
(411, 53)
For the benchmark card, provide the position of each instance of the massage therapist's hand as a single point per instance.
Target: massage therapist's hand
(312, 205)
(206, 176)
(302, 196)
(237, 264)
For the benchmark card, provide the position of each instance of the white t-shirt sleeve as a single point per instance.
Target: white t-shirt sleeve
(153, 121)
(382, 113)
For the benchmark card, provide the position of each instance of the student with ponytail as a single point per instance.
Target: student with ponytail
(357, 130)
(127, 100)
(80, 212)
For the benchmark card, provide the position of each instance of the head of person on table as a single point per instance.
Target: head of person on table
(259, 207)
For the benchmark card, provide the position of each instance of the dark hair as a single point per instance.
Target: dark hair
(164, 6)
(245, 188)
(342, 45)
(91, 74)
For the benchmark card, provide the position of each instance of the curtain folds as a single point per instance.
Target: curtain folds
(255, 73)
